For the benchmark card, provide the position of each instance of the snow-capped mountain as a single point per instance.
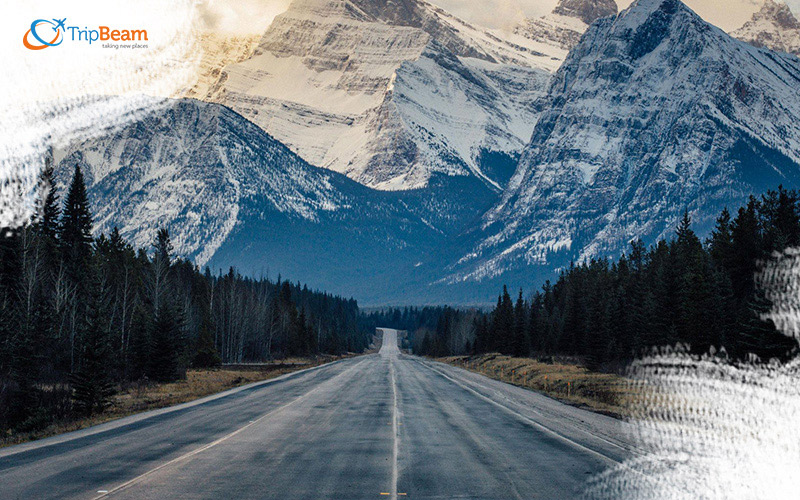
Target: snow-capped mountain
(188, 166)
(231, 195)
(388, 92)
(564, 27)
(217, 51)
(655, 111)
(773, 27)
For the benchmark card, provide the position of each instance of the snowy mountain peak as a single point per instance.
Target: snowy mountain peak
(774, 27)
(652, 112)
(641, 11)
(587, 11)
(564, 27)
(389, 92)
(779, 13)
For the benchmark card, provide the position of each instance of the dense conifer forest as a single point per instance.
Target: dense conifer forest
(80, 315)
(684, 292)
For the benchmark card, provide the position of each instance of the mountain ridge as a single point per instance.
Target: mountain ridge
(653, 112)
(774, 27)
(366, 74)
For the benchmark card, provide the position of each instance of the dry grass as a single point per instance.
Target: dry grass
(601, 392)
(138, 397)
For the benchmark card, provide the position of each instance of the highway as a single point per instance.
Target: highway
(385, 425)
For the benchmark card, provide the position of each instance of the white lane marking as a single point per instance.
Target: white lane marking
(630, 450)
(395, 451)
(138, 417)
(223, 438)
(522, 417)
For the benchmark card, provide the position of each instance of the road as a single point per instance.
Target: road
(386, 425)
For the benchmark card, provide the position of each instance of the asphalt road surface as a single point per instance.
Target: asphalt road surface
(385, 425)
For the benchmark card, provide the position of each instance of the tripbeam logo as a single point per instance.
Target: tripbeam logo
(36, 38)
(40, 34)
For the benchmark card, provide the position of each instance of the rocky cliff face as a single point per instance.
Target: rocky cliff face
(569, 20)
(587, 11)
(773, 27)
(388, 93)
(655, 111)
(217, 51)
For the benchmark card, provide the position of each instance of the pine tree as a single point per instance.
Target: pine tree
(164, 355)
(747, 250)
(160, 269)
(535, 335)
(573, 313)
(297, 334)
(92, 386)
(49, 209)
(779, 213)
(520, 345)
(206, 355)
(425, 348)
(721, 242)
(482, 340)
(75, 228)
(503, 324)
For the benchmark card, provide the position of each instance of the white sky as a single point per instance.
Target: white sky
(727, 14)
(253, 16)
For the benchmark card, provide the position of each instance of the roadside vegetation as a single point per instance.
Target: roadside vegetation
(561, 379)
(83, 318)
(701, 296)
(143, 395)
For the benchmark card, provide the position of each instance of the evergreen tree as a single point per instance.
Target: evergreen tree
(747, 249)
(160, 270)
(779, 212)
(721, 242)
(504, 323)
(297, 332)
(75, 228)
(535, 323)
(206, 355)
(482, 340)
(163, 363)
(520, 345)
(92, 386)
(49, 209)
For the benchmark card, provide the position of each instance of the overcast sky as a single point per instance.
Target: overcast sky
(727, 14)
(253, 16)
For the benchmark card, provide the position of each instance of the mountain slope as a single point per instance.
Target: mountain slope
(773, 27)
(217, 51)
(231, 195)
(653, 112)
(569, 20)
(387, 92)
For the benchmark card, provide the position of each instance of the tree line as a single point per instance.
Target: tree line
(80, 315)
(701, 294)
